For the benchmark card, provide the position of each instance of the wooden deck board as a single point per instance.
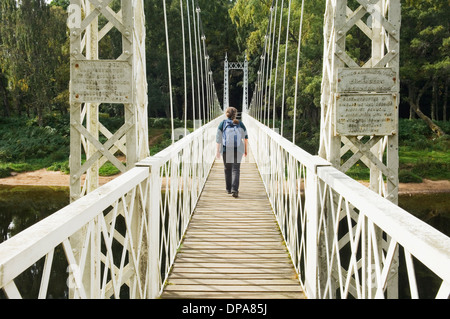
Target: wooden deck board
(233, 247)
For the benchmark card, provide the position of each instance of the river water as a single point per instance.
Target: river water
(23, 206)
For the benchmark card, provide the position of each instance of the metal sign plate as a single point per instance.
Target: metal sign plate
(381, 80)
(104, 81)
(365, 114)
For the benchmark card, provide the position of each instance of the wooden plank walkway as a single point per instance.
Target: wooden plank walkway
(233, 247)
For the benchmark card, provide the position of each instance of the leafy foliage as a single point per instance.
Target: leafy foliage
(33, 56)
(21, 142)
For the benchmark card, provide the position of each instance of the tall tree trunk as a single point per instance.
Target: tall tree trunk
(414, 102)
(18, 105)
(412, 114)
(6, 107)
(433, 101)
(444, 106)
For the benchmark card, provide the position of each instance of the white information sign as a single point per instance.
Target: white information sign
(365, 114)
(381, 80)
(104, 81)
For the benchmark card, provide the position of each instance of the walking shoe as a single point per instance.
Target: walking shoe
(229, 192)
(235, 193)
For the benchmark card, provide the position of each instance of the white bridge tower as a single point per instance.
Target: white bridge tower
(99, 77)
(360, 94)
(119, 81)
(235, 66)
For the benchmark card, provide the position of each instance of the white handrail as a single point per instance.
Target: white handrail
(24, 249)
(313, 203)
(145, 197)
(342, 237)
(426, 243)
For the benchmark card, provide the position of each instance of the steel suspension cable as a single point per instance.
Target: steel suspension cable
(276, 66)
(201, 59)
(265, 59)
(184, 68)
(284, 74)
(207, 70)
(269, 69)
(196, 60)
(168, 67)
(192, 64)
(296, 72)
(207, 79)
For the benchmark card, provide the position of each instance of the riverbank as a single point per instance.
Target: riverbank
(44, 177)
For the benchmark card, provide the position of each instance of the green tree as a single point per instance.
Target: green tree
(9, 53)
(32, 54)
(252, 22)
(220, 37)
(61, 3)
(425, 61)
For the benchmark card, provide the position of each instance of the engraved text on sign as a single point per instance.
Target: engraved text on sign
(96, 81)
(365, 114)
(380, 80)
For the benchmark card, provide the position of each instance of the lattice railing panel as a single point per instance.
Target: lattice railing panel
(345, 240)
(129, 230)
(179, 172)
(109, 264)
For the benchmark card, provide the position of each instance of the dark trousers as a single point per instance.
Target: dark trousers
(232, 168)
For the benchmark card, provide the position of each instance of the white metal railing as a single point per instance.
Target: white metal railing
(345, 239)
(119, 240)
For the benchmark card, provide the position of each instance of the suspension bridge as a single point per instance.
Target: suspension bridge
(165, 228)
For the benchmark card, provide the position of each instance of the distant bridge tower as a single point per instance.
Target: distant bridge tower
(225, 83)
(235, 66)
(360, 94)
(98, 78)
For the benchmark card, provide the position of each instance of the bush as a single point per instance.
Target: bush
(408, 177)
(108, 169)
(159, 122)
(163, 122)
(433, 169)
(308, 142)
(442, 143)
(60, 166)
(5, 172)
(20, 141)
(111, 123)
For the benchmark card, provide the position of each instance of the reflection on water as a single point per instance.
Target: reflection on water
(23, 206)
(433, 209)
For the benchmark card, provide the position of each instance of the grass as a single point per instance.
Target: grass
(6, 168)
(414, 165)
(108, 169)
(434, 165)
